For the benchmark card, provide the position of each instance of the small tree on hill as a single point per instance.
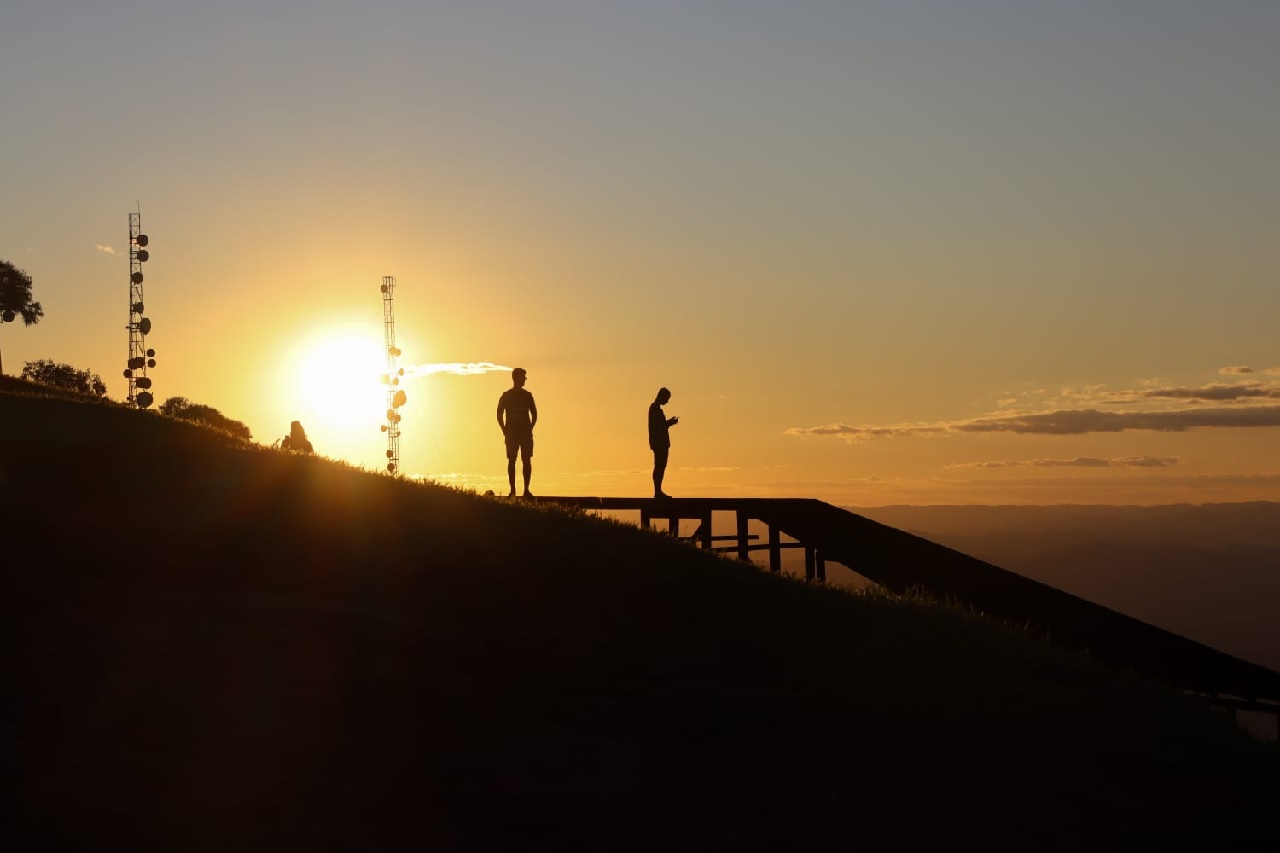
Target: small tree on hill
(58, 375)
(184, 409)
(15, 296)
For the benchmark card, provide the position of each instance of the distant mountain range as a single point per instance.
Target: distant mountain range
(1209, 572)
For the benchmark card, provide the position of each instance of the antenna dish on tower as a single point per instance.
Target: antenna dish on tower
(395, 396)
(140, 356)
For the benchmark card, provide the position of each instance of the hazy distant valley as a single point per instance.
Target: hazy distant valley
(1209, 572)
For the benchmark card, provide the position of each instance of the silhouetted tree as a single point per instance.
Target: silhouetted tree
(58, 375)
(15, 296)
(184, 409)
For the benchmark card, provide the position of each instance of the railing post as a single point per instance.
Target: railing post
(775, 550)
(809, 568)
(644, 519)
(673, 526)
(706, 530)
(743, 554)
(820, 566)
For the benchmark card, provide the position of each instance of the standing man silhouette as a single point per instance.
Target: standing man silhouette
(517, 414)
(660, 439)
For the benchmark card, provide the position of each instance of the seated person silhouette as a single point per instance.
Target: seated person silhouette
(296, 440)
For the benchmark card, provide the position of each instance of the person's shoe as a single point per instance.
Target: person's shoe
(512, 493)
(659, 495)
(528, 494)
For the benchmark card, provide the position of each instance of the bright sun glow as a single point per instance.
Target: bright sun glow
(339, 382)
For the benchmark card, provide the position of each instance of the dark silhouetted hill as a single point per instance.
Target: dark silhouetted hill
(1209, 572)
(217, 646)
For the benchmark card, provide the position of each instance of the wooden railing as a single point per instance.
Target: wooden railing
(902, 562)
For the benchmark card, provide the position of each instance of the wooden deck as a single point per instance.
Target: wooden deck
(902, 562)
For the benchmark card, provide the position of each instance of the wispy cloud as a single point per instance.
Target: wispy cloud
(456, 368)
(1066, 422)
(1087, 487)
(1080, 421)
(1216, 392)
(1146, 461)
(1154, 405)
(1147, 390)
(851, 432)
(106, 250)
(1079, 462)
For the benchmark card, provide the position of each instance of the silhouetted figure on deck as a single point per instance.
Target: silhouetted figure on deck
(660, 439)
(297, 440)
(517, 415)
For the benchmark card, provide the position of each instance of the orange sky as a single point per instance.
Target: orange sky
(879, 254)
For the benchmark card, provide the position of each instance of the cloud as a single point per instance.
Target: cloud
(1079, 462)
(1146, 461)
(1089, 409)
(1067, 422)
(1216, 392)
(1081, 421)
(1111, 487)
(456, 368)
(608, 472)
(106, 250)
(847, 431)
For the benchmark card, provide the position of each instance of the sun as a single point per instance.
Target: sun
(339, 382)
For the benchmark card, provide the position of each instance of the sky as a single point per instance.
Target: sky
(948, 252)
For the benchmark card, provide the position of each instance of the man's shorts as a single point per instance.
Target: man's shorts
(521, 442)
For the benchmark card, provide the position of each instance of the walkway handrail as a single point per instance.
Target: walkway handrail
(902, 563)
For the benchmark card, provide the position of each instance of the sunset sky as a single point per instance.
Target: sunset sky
(880, 252)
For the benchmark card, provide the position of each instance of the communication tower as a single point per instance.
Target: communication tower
(140, 357)
(395, 394)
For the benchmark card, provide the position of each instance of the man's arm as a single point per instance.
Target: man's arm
(501, 425)
(533, 413)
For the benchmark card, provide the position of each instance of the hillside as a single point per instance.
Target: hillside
(221, 646)
(1209, 572)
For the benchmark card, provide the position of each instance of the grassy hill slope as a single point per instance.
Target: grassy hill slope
(1209, 572)
(220, 646)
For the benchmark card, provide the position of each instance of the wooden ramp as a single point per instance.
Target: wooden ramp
(902, 562)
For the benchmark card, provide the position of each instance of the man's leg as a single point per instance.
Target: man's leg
(526, 456)
(659, 469)
(511, 474)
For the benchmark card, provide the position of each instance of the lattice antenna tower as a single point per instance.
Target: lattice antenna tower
(395, 394)
(140, 357)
